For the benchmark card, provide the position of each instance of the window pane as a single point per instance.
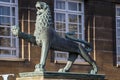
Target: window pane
(118, 32)
(73, 28)
(74, 36)
(79, 7)
(13, 11)
(4, 42)
(4, 0)
(4, 10)
(4, 31)
(73, 18)
(61, 55)
(80, 19)
(118, 41)
(5, 21)
(72, 6)
(4, 52)
(118, 22)
(118, 11)
(80, 59)
(80, 36)
(60, 26)
(13, 52)
(13, 45)
(118, 52)
(13, 1)
(60, 17)
(60, 4)
(80, 29)
(118, 58)
(13, 21)
(61, 34)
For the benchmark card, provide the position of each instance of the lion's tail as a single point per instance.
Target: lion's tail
(88, 46)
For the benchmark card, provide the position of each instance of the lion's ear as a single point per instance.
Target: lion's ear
(45, 6)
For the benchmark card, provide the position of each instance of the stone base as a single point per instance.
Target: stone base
(59, 76)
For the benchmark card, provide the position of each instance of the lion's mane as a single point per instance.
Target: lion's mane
(45, 19)
(43, 22)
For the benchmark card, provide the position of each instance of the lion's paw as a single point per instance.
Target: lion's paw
(63, 70)
(38, 68)
(93, 72)
(15, 30)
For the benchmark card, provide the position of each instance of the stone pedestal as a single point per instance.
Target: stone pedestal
(58, 76)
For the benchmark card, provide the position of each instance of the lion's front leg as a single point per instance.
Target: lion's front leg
(28, 37)
(44, 53)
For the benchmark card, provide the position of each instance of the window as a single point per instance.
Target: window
(118, 33)
(69, 17)
(8, 17)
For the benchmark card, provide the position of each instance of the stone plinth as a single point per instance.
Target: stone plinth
(59, 76)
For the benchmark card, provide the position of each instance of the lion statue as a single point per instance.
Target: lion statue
(46, 37)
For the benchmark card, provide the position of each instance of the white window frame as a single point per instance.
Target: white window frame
(66, 11)
(11, 37)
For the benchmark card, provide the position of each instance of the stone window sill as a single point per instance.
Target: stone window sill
(64, 62)
(12, 59)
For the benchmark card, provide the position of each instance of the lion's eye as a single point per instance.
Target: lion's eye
(38, 7)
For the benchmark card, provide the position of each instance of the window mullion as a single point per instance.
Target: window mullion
(11, 43)
(67, 27)
(82, 25)
(16, 23)
(67, 18)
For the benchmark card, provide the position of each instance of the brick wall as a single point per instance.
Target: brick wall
(99, 28)
(100, 18)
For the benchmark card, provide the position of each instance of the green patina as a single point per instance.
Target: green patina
(46, 37)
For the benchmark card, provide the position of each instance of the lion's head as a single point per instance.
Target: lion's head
(41, 7)
(43, 18)
(15, 30)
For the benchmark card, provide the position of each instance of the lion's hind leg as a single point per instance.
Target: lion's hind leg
(84, 54)
(71, 58)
